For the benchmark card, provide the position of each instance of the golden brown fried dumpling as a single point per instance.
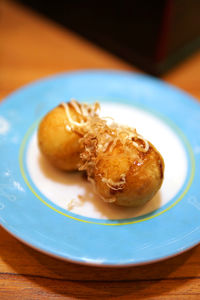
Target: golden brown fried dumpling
(57, 137)
(124, 168)
(129, 180)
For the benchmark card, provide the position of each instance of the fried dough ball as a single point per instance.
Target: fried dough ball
(124, 168)
(59, 146)
(138, 176)
(58, 138)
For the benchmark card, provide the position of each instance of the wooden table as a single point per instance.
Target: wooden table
(32, 47)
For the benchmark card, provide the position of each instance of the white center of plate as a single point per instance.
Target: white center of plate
(71, 191)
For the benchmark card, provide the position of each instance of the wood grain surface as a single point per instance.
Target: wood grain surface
(32, 47)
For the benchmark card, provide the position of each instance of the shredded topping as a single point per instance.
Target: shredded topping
(93, 124)
(73, 203)
(85, 112)
(99, 136)
(115, 185)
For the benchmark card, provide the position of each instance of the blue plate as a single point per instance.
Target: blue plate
(171, 222)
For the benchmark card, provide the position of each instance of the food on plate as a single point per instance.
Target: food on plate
(57, 138)
(123, 167)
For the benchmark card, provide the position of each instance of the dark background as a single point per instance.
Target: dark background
(153, 35)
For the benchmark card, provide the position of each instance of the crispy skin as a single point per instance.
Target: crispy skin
(124, 174)
(144, 175)
(59, 146)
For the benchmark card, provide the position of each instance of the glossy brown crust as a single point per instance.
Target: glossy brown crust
(142, 172)
(58, 145)
(144, 175)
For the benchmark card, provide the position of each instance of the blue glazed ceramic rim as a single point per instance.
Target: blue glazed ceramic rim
(163, 240)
